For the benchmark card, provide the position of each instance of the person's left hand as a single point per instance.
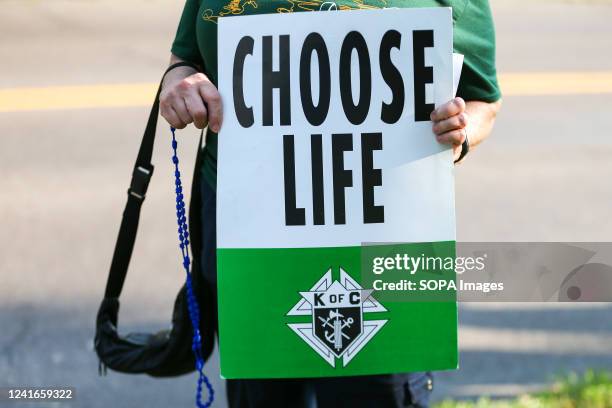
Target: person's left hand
(449, 123)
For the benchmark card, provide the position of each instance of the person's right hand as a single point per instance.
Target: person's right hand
(188, 97)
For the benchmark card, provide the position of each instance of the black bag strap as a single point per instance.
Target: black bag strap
(141, 176)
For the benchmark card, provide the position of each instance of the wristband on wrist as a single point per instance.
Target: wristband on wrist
(182, 64)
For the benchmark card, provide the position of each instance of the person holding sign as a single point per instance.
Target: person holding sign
(191, 96)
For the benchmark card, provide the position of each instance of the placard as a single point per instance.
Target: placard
(327, 147)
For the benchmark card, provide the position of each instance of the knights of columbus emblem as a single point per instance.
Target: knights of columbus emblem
(337, 329)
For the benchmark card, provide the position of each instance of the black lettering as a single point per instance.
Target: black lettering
(276, 79)
(318, 299)
(370, 178)
(315, 114)
(293, 215)
(354, 298)
(390, 113)
(341, 142)
(244, 114)
(318, 200)
(356, 114)
(422, 75)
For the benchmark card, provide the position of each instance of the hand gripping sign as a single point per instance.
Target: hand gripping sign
(326, 144)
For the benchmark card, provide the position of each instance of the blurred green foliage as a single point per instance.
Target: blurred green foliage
(591, 390)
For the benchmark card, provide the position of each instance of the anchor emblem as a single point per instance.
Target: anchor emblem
(336, 336)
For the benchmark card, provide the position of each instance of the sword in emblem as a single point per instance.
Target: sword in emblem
(336, 335)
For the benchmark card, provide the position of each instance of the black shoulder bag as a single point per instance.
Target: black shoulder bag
(168, 352)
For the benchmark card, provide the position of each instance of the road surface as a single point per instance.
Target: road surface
(543, 176)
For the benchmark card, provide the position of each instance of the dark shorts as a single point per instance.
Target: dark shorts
(380, 391)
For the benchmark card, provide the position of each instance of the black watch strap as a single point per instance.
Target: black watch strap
(181, 64)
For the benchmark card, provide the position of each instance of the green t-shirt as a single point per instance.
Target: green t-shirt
(474, 37)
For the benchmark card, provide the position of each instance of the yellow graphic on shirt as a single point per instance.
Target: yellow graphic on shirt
(233, 7)
(238, 7)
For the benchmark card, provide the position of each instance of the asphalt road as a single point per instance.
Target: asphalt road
(543, 176)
